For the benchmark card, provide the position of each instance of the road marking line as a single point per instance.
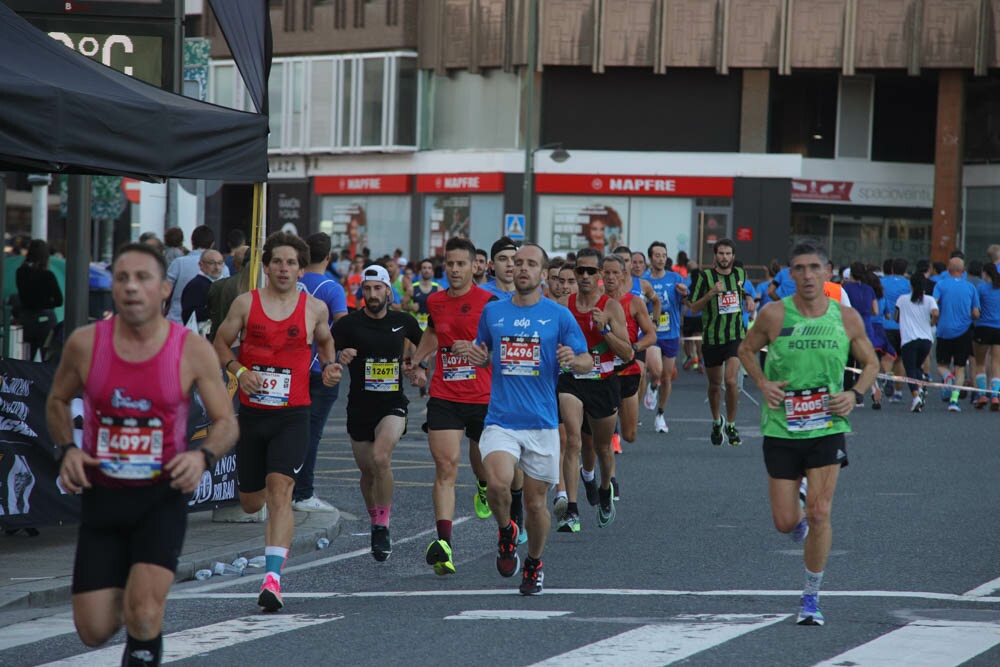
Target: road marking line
(663, 644)
(206, 639)
(29, 632)
(313, 564)
(986, 589)
(197, 593)
(923, 644)
(505, 615)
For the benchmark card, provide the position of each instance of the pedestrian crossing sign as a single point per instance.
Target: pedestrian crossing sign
(514, 226)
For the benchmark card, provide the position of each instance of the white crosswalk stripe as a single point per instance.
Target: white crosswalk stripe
(199, 641)
(663, 644)
(923, 644)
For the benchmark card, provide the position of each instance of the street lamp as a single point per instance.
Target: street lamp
(559, 154)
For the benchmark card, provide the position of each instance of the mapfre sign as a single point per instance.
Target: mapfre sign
(662, 186)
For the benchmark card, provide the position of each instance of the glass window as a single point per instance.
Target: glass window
(406, 102)
(321, 104)
(380, 223)
(372, 101)
(296, 103)
(855, 117)
(275, 92)
(568, 222)
(222, 85)
(905, 118)
(478, 218)
(346, 103)
(803, 114)
(982, 210)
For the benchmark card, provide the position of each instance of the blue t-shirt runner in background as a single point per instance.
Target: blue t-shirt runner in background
(893, 287)
(669, 326)
(989, 300)
(956, 298)
(329, 292)
(523, 342)
(785, 286)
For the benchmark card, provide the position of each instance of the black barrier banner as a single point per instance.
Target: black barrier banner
(30, 494)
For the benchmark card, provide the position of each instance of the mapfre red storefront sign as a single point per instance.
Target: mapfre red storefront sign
(472, 182)
(655, 186)
(385, 184)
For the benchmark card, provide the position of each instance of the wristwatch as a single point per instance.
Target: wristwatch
(62, 451)
(635, 348)
(209, 458)
(423, 364)
(858, 394)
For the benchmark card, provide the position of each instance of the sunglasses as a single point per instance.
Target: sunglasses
(586, 270)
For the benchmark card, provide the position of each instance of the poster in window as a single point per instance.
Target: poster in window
(451, 216)
(593, 225)
(349, 227)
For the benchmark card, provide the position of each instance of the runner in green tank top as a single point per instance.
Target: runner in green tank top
(804, 416)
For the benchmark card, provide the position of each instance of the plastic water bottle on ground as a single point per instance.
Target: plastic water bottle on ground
(202, 575)
(257, 561)
(322, 543)
(226, 568)
(241, 563)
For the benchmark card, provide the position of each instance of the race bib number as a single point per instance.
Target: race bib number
(381, 375)
(807, 409)
(595, 370)
(275, 386)
(455, 367)
(664, 323)
(520, 355)
(729, 303)
(130, 447)
(422, 320)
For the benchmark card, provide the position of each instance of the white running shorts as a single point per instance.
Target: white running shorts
(537, 450)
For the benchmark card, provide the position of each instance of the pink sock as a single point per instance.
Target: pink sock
(372, 514)
(382, 514)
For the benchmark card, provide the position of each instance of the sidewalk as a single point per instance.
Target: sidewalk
(37, 571)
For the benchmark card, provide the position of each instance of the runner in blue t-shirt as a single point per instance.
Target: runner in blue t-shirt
(781, 286)
(958, 301)
(641, 288)
(662, 357)
(527, 339)
(315, 282)
(986, 337)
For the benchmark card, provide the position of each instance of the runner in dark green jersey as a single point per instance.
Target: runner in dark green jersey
(719, 295)
(809, 337)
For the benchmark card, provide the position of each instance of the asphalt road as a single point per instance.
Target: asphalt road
(691, 569)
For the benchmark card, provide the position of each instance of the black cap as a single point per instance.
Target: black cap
(501, 244)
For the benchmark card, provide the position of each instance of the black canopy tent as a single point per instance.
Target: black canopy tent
(61, 112)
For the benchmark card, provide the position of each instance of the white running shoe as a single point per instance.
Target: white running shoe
(312, 504)
(660, 424)
(650, 399)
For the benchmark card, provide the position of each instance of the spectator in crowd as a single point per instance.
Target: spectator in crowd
(194, 299)
(151, 239)
(236, 239)
(224, 291)
(173, 239)
(183, 269)
(38, 293)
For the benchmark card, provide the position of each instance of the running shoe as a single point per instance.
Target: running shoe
(439, 555)
(381, 544)
(480, 504)
(918, 403)
(570, 523)
(717, 431)
(531, 578)
(953, 406)
(994, 404)
(270, 594)
(982, 401)
(803, 490)
(809, 613)
(616, 443)
(948, 379)
(615, 489)
(876, 397)
(559, 505)
(591, 488)
(649, 400)
(800, 531)
(606, 510)
(732, 435)
(896, 398)
(312, 504)
(698, 368)
(508, 562)
(660, 425)
(522, 533)
(690, 361)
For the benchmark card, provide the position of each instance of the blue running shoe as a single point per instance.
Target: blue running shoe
(809, 613)
(800, 531)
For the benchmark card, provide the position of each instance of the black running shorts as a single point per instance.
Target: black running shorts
(715, 355)
(986, 335)
(270, 441)
(629, 385)
(786, 458)
(691, 326)
(959, 349)
(124, 526)
(363, 418)
(444, 415)
(600, 398)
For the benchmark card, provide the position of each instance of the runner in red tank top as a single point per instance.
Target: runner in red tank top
(278, 324)
(137, 372)
(617, 284)
(459, 393)
(594, 394)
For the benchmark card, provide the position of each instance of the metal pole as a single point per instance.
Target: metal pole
(78, 233)
(529, 115)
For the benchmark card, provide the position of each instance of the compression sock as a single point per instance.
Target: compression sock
(444, 530)
(517, 506)
(571, 508)
(813, 582)
(995, 385)
(274, 560)
(372, 515)
(981, 381)
(142, 652)
(482, 484)
(382, 514)
(659, 411)
(954, 395)
(588, 475)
